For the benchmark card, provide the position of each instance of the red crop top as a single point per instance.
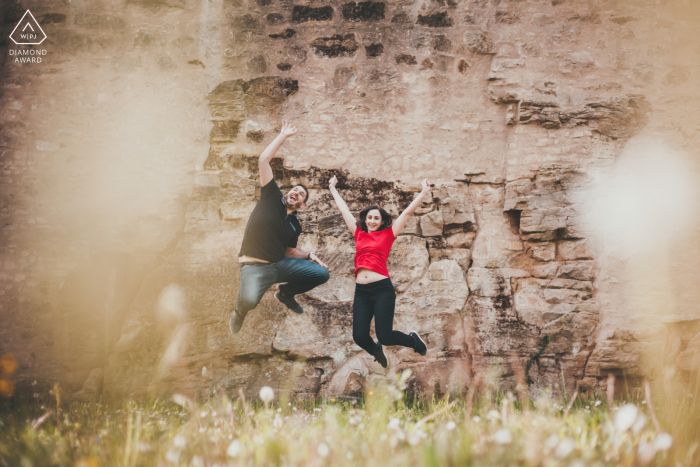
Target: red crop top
(372, 250)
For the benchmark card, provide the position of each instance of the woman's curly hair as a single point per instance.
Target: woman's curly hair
(386, 218)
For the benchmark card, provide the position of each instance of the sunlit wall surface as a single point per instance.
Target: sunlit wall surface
(126, 181)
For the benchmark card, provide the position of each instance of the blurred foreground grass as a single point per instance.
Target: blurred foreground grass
(384, 428)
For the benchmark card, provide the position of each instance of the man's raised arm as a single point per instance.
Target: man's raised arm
(269, 152)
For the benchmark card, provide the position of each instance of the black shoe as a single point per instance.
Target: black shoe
(419, 345)
(380, 356)
(236, 322)
(289, 302)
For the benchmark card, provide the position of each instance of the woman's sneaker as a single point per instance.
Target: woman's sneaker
(419, 345)
(380, 356)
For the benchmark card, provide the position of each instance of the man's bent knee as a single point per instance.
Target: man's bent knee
(245, 305)
(324, 275)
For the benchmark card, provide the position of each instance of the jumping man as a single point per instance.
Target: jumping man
(268, 254)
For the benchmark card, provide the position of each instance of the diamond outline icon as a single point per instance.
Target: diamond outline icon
(35, 22)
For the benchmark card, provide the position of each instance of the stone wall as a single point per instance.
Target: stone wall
(129, 170)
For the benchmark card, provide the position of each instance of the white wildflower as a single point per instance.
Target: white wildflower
(646, 452)
(597, 403)
(414, 439)
(476, 419)
(203, 414)
(663, 441)
(349, 455)
(197, 462)
(172, 456)
(565, 447)
(361, 426)
(277, 422)
(204, 371)
(317, 409)
(493, 415)
(551, 442)
(323, 450)
(394, 424)
(267, 394)
(183, 401)
(625, 417)
(502, 436)
(179, 442)
(450, 425)
(234, 449)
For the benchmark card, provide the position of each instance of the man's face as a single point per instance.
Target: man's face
(294, 199)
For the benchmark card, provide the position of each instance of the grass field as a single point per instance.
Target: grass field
(383, 428)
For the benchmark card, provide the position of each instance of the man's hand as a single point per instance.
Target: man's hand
(333, 181)
(287, 129)
(426, 185)
(316, 260)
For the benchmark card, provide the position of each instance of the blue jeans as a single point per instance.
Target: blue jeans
(300, 276)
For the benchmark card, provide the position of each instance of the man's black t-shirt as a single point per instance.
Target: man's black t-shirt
(270, 229)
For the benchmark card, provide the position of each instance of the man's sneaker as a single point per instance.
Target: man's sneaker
(289, 302)
(380, 356)
(419, 345)
(236, 322)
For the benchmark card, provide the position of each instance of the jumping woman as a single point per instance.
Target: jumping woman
(374, 292)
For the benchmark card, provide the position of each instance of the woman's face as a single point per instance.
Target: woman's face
(373, 220)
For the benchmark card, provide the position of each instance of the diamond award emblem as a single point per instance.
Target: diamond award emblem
(28, 31)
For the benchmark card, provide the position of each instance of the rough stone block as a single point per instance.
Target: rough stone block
(574, 250)
(435, 20)
(363, 11)
(542, 251)
(335, 46)
(274, 18)
(461, 240)
(441, 43)
(479, 44)
(580, 270)
(431, 224)
(407, 59)
(488, 282)
(286, 34)
(412, 227)
(374, 50)
(303, 14)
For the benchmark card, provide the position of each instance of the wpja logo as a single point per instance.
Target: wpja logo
(28, 32)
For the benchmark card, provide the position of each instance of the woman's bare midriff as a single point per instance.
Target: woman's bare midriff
(367, 276)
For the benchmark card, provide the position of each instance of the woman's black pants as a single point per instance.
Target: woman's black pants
(376, 299)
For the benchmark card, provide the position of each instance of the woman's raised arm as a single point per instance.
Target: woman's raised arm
(344, 209)
(400, 223)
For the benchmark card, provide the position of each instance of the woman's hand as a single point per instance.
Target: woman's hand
(332, 183)
(287, 129)
(426, 185)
